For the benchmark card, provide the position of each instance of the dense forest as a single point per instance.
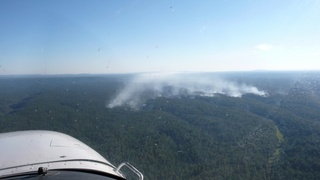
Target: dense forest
(180, 135)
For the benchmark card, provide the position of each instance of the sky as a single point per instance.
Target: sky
(127, 36)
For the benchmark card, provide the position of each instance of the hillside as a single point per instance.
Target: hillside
(262, 125)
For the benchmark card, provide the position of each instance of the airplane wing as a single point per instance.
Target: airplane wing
(52, 154)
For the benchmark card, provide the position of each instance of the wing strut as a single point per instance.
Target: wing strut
(132, 168)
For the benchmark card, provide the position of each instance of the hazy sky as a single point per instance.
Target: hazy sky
(119, 36)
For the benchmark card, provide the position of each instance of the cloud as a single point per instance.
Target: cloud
(264, 47)
(151, 86)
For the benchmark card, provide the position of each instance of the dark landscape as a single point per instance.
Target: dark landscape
(235, 125)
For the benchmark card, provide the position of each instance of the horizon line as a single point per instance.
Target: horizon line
(177, 72)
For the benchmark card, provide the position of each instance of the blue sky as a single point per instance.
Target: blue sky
(124, 36)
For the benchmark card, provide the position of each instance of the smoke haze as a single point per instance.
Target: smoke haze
(170, 85)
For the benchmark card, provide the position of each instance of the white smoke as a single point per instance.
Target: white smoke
(149, 86)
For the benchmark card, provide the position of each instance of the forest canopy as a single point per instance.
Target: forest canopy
(254, 125)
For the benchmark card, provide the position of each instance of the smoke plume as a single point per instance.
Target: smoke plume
(149, 86)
